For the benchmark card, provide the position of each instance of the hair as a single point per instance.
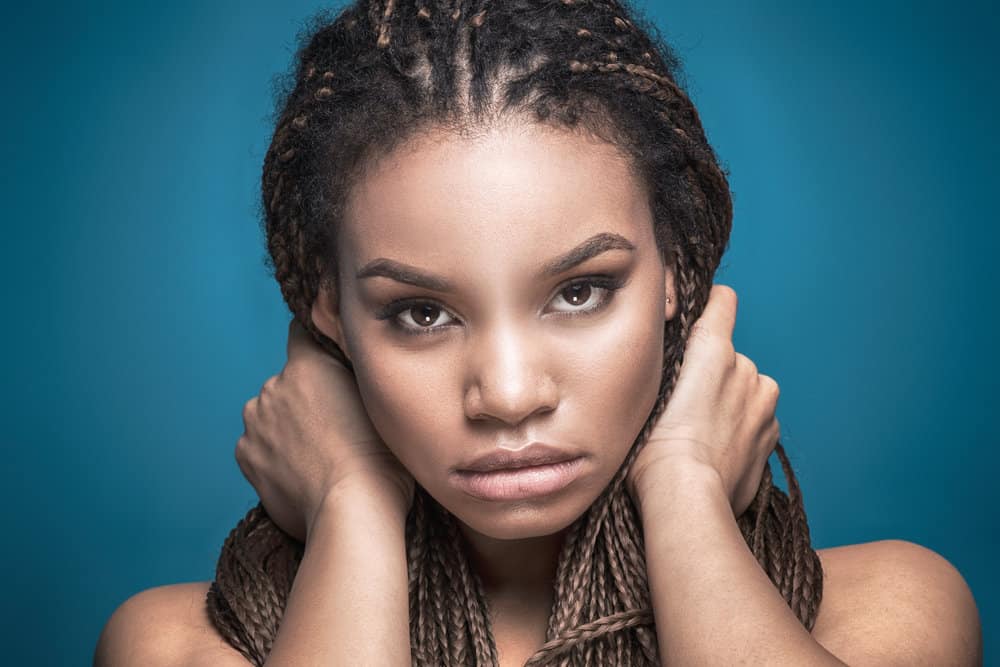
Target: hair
(381, 73)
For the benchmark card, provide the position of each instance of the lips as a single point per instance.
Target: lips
(531, 483)
(535, 454)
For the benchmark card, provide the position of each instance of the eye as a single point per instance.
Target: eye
(421, 317)
(418, 316)
(596, 290)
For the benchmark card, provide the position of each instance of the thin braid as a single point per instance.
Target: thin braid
(442, 618)
(383, 27)
(416, 563)
(475, 602)
(366, 81)
(440, 579)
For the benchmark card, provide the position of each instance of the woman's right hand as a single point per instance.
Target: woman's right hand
(307, 434)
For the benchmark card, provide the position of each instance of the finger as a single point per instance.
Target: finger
(745, 362)
(770, 385)
(719, 316)
(249, 409)
(243, 460)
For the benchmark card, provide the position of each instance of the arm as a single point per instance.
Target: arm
(349, 601)
(324, 476)
(713, 603)
(700, 469)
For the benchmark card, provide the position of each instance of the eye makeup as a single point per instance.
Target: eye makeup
(605, 287)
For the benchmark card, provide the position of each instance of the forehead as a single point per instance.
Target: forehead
(522, 190)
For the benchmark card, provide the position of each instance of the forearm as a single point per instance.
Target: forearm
(713, 603)
(348, 603)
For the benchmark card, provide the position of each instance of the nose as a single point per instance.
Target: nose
(509, 376)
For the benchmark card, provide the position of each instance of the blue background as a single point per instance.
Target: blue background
(862, 148)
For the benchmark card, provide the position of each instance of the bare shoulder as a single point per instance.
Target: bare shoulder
(894, 602)
(165, 626)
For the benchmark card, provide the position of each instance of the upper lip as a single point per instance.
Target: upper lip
(535, 454)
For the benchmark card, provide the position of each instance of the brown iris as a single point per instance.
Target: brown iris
(577, 290)
(425, 313)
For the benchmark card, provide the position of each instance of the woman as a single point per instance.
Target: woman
(512, 427)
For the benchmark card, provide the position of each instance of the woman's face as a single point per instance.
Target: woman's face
(510, 339)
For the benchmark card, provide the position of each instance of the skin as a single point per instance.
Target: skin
(505, 362)
(487, 213)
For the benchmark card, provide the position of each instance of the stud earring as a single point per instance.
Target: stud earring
(668, 299)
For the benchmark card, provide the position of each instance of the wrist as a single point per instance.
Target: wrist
(360, 501)
(660, 484)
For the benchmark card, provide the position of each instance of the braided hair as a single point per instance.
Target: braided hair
(380, 72)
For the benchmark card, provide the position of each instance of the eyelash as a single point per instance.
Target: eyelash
(391, 310)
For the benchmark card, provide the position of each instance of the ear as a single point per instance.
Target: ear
(326, 317)
(670, 294)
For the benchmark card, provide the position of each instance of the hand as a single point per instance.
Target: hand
(721, 414)
(307, 433)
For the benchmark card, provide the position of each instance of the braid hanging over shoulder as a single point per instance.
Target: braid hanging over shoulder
(365, 81)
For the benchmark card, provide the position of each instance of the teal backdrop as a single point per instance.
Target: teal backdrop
(862, 146)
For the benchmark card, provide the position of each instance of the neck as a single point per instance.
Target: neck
(521, 568)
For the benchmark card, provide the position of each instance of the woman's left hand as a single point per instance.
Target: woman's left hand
(720, 416)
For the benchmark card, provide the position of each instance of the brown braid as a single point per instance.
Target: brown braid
(382, 72)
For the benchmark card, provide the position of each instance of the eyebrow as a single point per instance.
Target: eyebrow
(403, 273)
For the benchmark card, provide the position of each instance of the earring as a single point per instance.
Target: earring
(668, 299)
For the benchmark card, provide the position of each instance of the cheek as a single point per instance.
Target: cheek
(622, 380)
(395, 388)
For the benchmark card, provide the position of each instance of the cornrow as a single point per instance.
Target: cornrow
(373, 77)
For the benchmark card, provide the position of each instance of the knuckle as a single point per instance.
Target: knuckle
(746, 362)
(248, 408)
(725, 348)
(240, 452)
(243, 457)
(269, 384)
(770, 384)
(773, 435)
(296, 373)
(725, 297)
(729, 293)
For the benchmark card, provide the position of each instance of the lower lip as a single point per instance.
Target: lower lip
(519, 483)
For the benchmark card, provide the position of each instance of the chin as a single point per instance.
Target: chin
(522, 519)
